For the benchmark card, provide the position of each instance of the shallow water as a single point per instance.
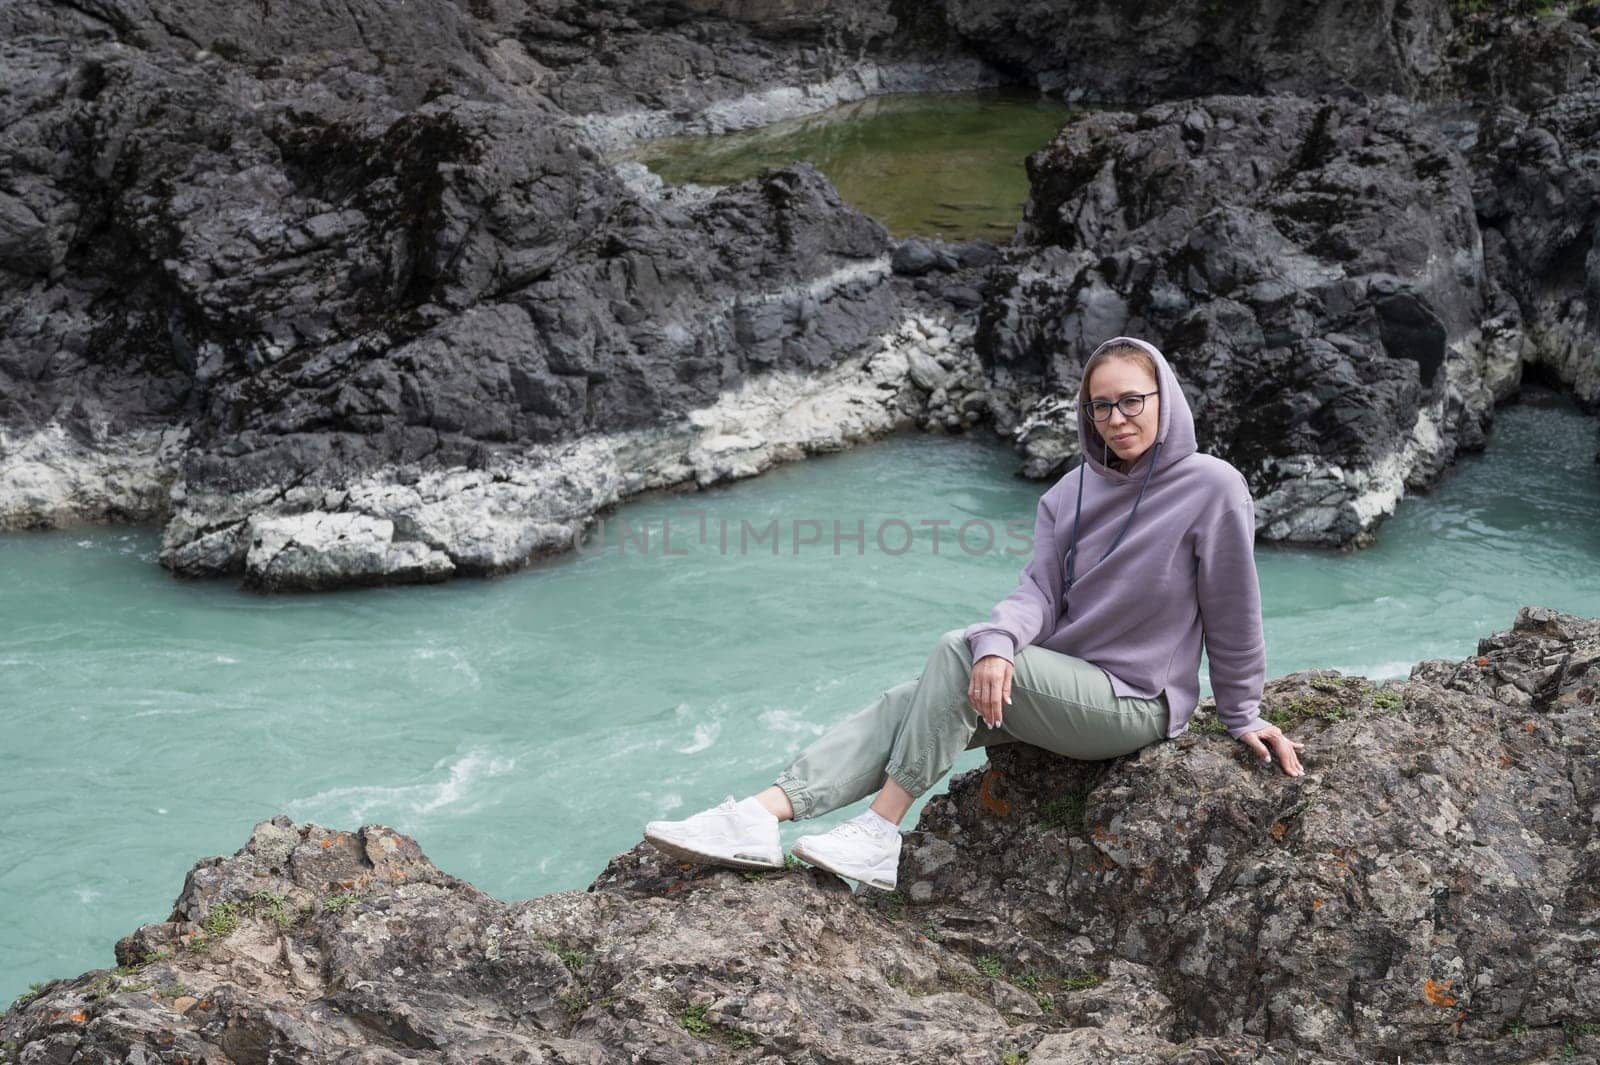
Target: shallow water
(523, 729)
(948, 165)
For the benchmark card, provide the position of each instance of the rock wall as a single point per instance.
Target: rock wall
(1424, 892)
(338, 292)
(367, 263)
(1314, 266)
(1141, 53)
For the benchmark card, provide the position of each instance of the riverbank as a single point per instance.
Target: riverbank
(1430, 874)
(397, 336)
(436, 710)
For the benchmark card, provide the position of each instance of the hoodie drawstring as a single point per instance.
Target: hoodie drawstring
(1072, 552)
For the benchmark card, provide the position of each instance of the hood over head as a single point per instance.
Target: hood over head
(1174, 441)
(1174, 427)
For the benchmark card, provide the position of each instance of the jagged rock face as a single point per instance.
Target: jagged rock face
(328, 267)
(639, 68)
(1426, 891)
(1119, 53)
(627, 325)
(1536, 187)
(1526, 63)
(625, 55)
(321, 262)
(1312, 268)
(329, 285)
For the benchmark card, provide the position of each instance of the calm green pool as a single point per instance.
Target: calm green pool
(948, 165)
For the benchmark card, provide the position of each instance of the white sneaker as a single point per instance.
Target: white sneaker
(743, 835)
(855, 852)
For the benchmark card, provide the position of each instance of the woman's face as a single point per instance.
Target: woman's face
(1127, 437)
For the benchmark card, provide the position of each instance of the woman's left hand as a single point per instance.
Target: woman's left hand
(1286, 749)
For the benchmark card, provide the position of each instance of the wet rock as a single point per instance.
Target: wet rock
(976, 253)
(1424, 891)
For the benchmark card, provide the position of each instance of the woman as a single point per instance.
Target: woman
(1140, 554)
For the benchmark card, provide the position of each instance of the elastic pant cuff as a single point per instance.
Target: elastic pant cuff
(906, 780)
(800, 800)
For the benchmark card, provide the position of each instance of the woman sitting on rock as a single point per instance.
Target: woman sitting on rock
(1140, 554)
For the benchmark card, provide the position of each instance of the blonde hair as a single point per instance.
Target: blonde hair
(1131, 352)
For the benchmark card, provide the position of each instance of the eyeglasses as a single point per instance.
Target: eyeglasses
(1131, 406)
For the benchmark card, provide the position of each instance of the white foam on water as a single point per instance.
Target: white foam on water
(462, 775)
(1378, 670)
(705, 734)
(790, 722)
(169, 711)
(359, 802)
(457, 663)
(86, 895)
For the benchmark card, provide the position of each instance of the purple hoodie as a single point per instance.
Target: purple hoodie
(1181, 569)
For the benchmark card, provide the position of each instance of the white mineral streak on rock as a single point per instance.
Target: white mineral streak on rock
(541, 501)
(321, 550)
(1047, 433)
(1320, 503)
(1565, 344)
(612, 133)
(50, 479)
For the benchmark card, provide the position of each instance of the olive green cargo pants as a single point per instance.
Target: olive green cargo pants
(915, 731)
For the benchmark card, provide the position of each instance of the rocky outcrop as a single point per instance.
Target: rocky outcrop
(633, 69)
(407, 523)
(52, 478)
(376, 319)
(1120, 53)
(1426, 891)
(1314, 267)
(349, 293)
(1535, 152)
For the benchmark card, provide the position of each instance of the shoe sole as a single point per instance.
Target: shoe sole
(687, 854)
(799, 851)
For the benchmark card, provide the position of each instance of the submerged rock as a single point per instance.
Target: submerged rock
(1426, 891)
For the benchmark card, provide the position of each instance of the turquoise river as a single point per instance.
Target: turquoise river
(523, 729)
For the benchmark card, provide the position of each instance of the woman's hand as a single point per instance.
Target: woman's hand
(1285, 748)
(990, 688)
